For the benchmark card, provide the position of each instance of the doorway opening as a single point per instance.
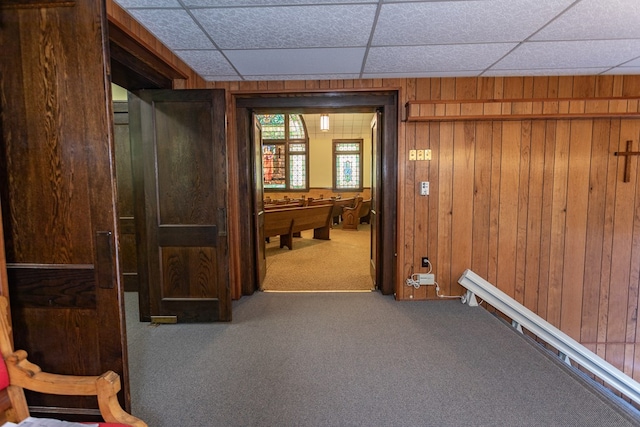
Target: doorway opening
(383, 104)
(317, 163)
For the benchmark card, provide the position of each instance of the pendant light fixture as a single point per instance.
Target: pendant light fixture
(324, 122)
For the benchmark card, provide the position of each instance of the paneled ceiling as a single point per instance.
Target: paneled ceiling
(341, 125)
(226, 40)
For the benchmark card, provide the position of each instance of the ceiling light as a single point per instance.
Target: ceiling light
(324, 122)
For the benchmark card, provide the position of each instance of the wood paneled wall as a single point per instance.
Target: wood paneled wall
(537, 206)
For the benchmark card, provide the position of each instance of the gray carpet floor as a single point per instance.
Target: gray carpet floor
(354, 359)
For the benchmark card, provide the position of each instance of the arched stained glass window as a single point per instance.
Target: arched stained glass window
(284, 151)
(296, 127)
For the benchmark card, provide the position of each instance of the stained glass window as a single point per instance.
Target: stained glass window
(272, 126)
(273, 162)
(296, 127)
(284, 151)
(347, 160)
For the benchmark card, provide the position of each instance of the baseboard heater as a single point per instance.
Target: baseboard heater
(569, 349)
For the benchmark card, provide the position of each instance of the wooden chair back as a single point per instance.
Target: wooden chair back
(18, 374)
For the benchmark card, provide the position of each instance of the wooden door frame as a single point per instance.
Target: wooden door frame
(364, 101)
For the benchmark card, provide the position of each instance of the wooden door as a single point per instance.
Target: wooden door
(375, 150)
(59, 195)
(258, 197)
(179, 157)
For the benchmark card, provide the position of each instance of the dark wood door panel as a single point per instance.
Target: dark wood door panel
(189, 272)
(181, 159)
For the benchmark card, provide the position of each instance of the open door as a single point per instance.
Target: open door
(180, 177)
(375, 187)
(258, 196)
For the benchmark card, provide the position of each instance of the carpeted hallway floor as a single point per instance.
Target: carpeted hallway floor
(339, 264)
(354, 359)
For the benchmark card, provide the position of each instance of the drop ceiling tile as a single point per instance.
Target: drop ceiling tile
(327, 76)
(633, 63)
(465, 73)
(463, 21)
(595, 19)
(623, 70)
(288, 26)
(156, 4)
(174, 27)
(546, 72)
(442, 58)
(207, 62)
(570, 54)
(238, 3)
(296, 61)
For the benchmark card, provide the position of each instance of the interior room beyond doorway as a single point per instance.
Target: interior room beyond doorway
(326, 171)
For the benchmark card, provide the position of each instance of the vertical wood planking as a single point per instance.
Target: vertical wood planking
(496, 164)
(576, 222)
(481, 199)
(621, 253)
(462, 202)
(595, 230)
(523, 204)
(558, 222)
(508, 206)
(608, 232)
(445, 203)
(534, 215)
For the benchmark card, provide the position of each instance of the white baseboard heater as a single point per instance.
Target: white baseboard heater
(522, 317)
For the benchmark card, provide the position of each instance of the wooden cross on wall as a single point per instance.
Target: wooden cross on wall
(627, 165)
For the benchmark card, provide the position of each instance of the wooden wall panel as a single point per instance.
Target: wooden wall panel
(58, 193)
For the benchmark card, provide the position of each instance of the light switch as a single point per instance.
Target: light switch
(420, 154)
(427, 154)
(412, 154)
(424, 188)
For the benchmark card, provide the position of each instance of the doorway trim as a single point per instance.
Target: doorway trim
(348, 101)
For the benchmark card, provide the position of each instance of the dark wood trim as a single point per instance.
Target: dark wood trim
(30, 4)
(314, 102)
(134, 66)
(60, 286)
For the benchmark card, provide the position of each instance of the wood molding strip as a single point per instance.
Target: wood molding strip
(511, 109)
(31, 4)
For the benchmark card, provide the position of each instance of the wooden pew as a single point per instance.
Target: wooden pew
(338, 206)
(365, 212)
(285, 222)
(317, 202)
(351, 216)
